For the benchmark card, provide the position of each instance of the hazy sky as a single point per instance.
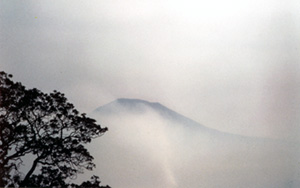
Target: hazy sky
(231, 65)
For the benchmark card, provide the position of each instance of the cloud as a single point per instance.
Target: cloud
(222, 64)
(145, 149)
(232, 66)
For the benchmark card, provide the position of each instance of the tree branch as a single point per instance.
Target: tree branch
(30, 172)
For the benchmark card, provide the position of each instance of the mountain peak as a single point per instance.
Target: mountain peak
(135, 101)
(132, 105)
(125, 106)
(138, 106)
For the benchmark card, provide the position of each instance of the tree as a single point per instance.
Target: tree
(47, 128)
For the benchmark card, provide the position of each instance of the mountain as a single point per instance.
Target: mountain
(137, 106)
(150, 145)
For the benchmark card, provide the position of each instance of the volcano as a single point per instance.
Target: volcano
(150, 145)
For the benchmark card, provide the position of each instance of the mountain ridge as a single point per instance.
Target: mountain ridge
(140, 106)
(151, 147)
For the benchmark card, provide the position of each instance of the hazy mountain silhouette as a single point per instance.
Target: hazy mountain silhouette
(139, 107)
(150, 145)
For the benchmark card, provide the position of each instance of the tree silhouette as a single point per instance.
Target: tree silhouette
(47, 129)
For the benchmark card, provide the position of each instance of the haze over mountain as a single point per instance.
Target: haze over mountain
(230, 65)
(137, 106)
(149, 145)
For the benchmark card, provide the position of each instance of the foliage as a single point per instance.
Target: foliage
(49, 129)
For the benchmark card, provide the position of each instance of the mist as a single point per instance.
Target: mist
(144, 149)
(232, 66)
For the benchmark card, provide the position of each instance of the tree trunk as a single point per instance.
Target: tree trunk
(30, 172)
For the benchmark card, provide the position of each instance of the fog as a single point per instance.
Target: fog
(145, 149)
(230, 65)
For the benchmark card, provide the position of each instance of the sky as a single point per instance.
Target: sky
(229, 65)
